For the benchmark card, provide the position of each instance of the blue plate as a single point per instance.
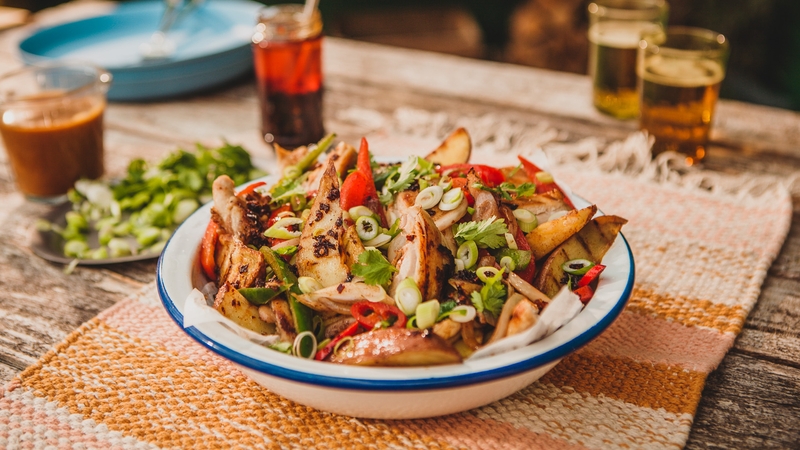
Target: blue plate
(212, 47)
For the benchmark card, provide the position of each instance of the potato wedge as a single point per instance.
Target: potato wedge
(230, 303)
(456, 149)
(397, 347)
(549, 235)
(591, 242)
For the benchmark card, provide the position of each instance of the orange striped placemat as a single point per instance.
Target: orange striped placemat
(130, 378)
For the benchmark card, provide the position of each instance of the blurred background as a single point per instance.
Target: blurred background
(764, 35)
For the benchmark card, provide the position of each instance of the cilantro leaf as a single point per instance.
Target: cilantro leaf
(373, 267)
(486, 233)
(492, 295)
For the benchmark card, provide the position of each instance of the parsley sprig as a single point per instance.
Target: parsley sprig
(488, 233)
(492, 295)
(373, 267)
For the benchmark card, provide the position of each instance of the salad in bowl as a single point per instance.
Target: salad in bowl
(460, 276)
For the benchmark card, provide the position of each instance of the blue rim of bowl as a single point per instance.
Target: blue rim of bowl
(416, 384)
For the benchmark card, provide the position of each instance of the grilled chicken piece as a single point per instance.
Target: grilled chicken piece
(524, 315)
(283, 319)
(320, 254)
(444, 220)
(396, 347)
(352, 246)
(542, 205)
(340, 297)
(228, 207)
(485, 203)
(418, 252)
(239, 265)
(447, 329)
(343, 158)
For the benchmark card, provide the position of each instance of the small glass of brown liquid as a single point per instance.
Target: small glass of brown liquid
(287, 49)
(51, 122)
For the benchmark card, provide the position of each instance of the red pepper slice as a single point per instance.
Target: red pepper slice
(591, 275)
(208, 247)
(585, 293)
(370, 314)
(353, 190)
(490, 176)
(522, 244)
(249, 189)
(532, 169)
(324, 352)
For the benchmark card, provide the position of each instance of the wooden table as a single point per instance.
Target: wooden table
(751, 401)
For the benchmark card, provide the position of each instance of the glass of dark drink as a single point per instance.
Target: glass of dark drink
(51, 122)
(287, 57)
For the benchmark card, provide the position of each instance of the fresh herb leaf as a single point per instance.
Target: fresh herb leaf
(486, 233)
(506, 189)
(492, 295)
(373, 267)
(401, 178)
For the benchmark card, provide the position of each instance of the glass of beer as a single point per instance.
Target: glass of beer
(679, 75)
(615, 28)
(51, 122)
(287, 52)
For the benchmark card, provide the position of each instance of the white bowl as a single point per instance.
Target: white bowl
(383, 392)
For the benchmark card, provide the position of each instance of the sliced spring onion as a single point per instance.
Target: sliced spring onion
(367, 228)
(408, 297)
(345, 341)
(423, 184)
(359, 211)
(526, 220)
(285, 228)
(298, 202)
(308, 285)
(577, 266)
(463, 313)
(544, 177)
(427, 313)
(486, 272)
(76, 248)
(379, 241)
(299, 339)
(445, 185)
(292, 172)
(521, 258)
(305, 214)
(411, 322)
(429, 197)
(459, 265)
(451, 199)
(467, 253)
(470, 210)
(508, 263)
(512, 243)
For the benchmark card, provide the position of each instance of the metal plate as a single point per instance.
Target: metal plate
(48, 244)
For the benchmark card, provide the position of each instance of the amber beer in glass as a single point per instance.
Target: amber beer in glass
(680, 73)
(287, 49)
(615, 28)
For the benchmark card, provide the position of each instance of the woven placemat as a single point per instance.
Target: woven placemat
(130, 378)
